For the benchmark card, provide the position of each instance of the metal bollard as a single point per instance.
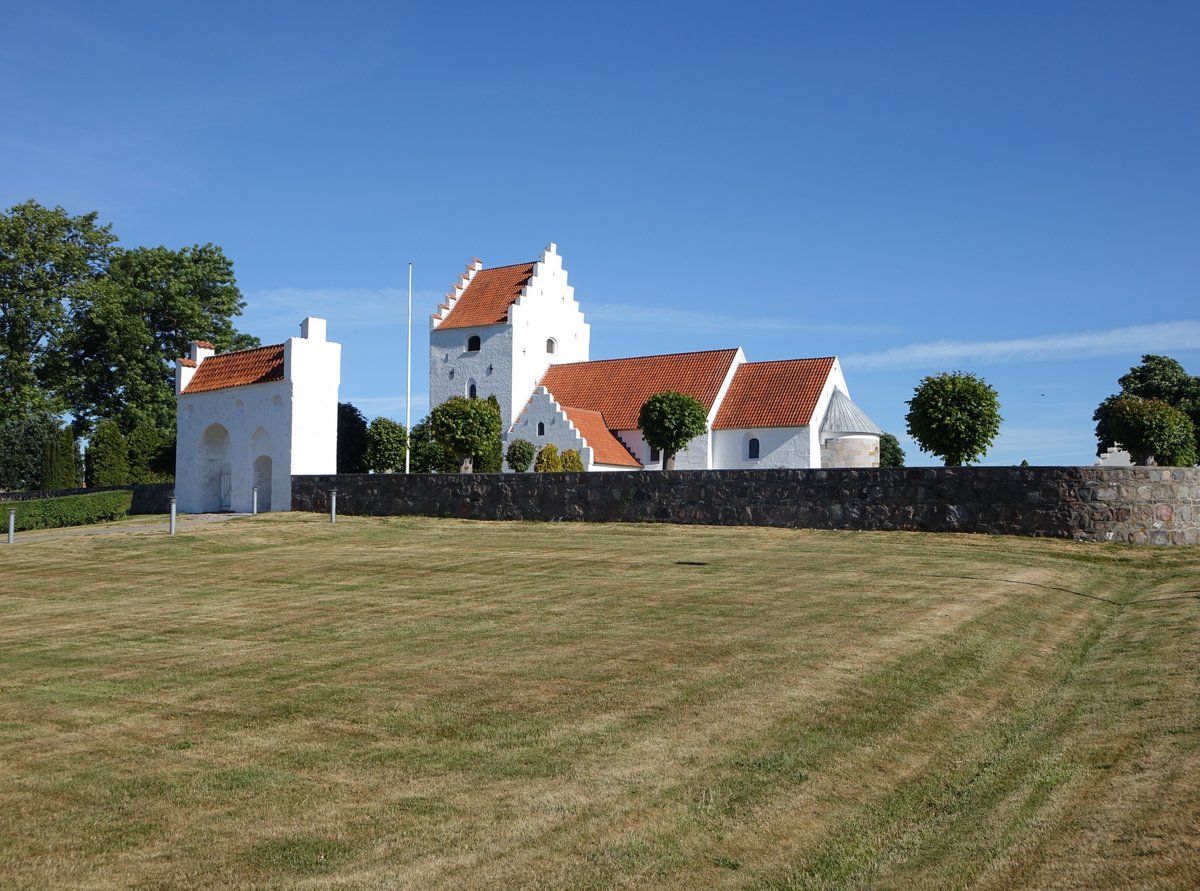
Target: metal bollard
(172, 515)
(333, 505)
(254, 501)
(12, 524)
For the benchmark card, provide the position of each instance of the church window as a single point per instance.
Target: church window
(473, 343)
(752, 449)
(541, 428)
(472, 392)
(551, 345)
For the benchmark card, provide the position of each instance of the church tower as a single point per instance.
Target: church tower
(501, 328)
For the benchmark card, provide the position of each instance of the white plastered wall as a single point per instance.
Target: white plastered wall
(786, 447)
(556, 426)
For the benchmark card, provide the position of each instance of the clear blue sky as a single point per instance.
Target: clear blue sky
(1011, 189)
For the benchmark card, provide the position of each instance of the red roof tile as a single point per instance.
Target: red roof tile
(606, 448)
(255, 366)
(617, 388)
(773, 394)
(488, 297)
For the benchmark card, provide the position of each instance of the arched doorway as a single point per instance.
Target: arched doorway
(262, 481)
(214, 469)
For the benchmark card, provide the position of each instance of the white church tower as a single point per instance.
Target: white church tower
(501, 328)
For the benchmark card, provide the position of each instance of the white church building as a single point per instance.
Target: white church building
(250, 419)
(518, 333)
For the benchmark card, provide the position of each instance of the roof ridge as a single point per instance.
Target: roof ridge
(648, 356)
(779, 361)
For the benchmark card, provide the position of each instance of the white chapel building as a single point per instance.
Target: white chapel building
(518, 333)
(252, 418)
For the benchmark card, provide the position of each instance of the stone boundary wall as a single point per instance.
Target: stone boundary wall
(1131, 504)
(148, 498)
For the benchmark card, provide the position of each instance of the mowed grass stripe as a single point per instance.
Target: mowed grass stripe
(415, 703)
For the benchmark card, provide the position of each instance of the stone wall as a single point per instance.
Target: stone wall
(1133, 504)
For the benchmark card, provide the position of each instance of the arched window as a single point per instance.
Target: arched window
(473, 343)
(471, 391)
(551, 345)
(541, 428)
(752, 449)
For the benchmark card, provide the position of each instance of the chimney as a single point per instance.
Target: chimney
(312, 328)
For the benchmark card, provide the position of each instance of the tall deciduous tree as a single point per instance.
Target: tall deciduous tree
(50, 262)
(387, 444)
(351, 439)
(121, 343)
(955, 416)
(1157, 377)
(669, 421)
(1151, 430)
(428, 456)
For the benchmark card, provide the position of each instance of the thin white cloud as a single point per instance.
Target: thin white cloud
(633, 315)
(389, 406)
(1136, 339)
(348, 307)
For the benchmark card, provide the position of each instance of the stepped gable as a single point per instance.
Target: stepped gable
(606, 448)
(486, 295)
(774, 394)
(617, 388)
(255, 366)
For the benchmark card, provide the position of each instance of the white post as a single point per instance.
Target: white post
(254, 501)
(172, 515)
(333, 505)
(408, 395)
(12, 524)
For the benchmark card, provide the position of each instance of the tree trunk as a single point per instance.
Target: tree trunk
(467, 464)
(668, 460)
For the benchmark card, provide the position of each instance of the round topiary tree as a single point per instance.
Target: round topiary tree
(387, 446)
(1151, 431)
(890, 453)
(548, 460)
(465, 428)
(520, 455)
(955, 416)
(572, 461)
(669, 421)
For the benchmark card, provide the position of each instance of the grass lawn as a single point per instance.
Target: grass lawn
(275, 702)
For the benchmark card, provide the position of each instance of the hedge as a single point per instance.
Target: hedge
(71, 510)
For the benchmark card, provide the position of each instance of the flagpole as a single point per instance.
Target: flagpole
(408, 394)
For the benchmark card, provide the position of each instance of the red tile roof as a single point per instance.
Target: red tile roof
(606, 448)
(774, 394)
(488, 297)
(254, 366)
(617, 388)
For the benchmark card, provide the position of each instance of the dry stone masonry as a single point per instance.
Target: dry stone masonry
(1126, 504)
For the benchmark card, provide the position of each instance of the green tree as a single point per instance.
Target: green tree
(465, 428)
(1151, 430)
(24, 441)
(50, 261)
(351, 439)
(669, 421)
(491, 458)
(146, 446)
(387, 444)
(107, 456)
(955, 416)
(520, 455)
(120, 346)
(61, 463)
(1157, 377)
(890, 453)
(572, 460)
(548, 459)
(428, 456)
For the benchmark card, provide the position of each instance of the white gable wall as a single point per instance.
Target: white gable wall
(556, 427)
(452, 368)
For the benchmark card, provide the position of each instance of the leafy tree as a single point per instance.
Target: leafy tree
(572, 460)
(24, 441)
(669, 421)
(465, 428)
(548, 459)
(890, 453)
(49, 262)
(520, 455)
(427, 455)
(387, 444)
(1158, 377)
(60, 470)
(151, 454)
(491, 458)
(1151, 430)
(955, 416)
(351, 439)
(107, 456)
